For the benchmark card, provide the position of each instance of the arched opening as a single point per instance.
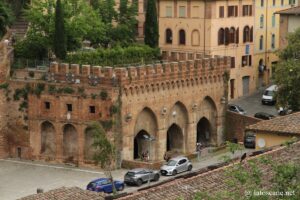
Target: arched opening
(48, 143)
(246, 34)
(204, 131)
(182, 37)
(221, 36)
(70, 143)
(169, 37)
(195, 38)
(174, 139)
(145, 125)
(232, 35)
(89, 150)
(141, 145)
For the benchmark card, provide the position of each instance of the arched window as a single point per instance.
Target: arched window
(232, 35)
(261, 42)
(181, 37)
(273, 20)
(273, 41)
(237, 36)
(246, 34)
(251, 34)
(221, 36)
(261, 21)
(169, 37)
(226, 36)
(195, 38)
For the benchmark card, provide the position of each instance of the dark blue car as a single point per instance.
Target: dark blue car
(104, 185)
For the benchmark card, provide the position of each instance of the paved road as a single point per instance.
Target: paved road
(22, 178)
(252, 104)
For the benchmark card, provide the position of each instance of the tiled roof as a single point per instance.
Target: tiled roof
(213, 182)
(64, 193)
(289, 124)
(290, 11)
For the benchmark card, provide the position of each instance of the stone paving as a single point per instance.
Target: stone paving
(252, 104)
(22, 178)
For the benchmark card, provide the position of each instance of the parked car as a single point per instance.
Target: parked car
(284, 111)
(236, 108)
(268, 96)
(176, 165)
(264, 116)
(104, 185)
(249, 141)
(140, 175)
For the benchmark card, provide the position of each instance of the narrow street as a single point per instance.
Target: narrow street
(22, 178)
(252, 104)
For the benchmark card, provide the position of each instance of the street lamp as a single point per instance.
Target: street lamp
(150, 139)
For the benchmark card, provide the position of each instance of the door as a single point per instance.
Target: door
(182, 165)
(232, 88)
(246, 81)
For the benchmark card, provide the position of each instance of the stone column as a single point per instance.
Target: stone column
(35, 138)
(80, 143)
(161, 143)
(191, 138)
(59, 142)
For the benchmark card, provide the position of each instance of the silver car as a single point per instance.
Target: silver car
(176, 165)
(140, 175)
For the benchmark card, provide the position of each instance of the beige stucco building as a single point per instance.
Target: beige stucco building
(289, 22)
(270, 133)
(266, 36)
(213, 28)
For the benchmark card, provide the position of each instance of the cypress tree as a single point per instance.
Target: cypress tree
(60, 48)
(151, 25)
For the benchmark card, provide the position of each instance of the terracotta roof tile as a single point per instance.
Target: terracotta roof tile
(213, 182)
(289, 124)
(65, 193)
(290, 11)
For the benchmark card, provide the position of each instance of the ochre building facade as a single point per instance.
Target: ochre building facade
(213, 28)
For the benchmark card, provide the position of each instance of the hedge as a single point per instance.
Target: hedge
(115, 56)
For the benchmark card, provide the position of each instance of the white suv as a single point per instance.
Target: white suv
(176, 165)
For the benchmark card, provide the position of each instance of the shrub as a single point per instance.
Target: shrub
(103, 95)
(4, 86)
(113, 109)
(68, 90)
(52, 89)
(39, 89)
(107, 124)
(115, 56)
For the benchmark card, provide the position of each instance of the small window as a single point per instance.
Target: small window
(169, 11)
(273, 41)
(69, 107)
(261, 42)
(221, 11)
(262, 3)
(261, 21)
(47, 105)
(273, 20)
(232, 62)
(274, 2)
(282, 2)
(92, 109)
(182, 11)
(232, 11)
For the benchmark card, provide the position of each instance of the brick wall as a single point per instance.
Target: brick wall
(235, 125)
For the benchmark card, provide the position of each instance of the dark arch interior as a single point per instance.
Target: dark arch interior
(48, 142)
(174, 138)
(140, 144)
(204, 132)
(70, 142)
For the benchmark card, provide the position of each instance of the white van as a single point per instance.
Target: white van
(268, 96)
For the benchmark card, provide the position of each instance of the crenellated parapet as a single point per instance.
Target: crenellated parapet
(209, 69)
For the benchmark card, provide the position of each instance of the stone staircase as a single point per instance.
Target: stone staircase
(19, 28)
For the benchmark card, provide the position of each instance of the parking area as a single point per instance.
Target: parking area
(252, 104)
(22, 178)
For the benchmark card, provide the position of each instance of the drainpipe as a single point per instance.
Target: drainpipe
(204, 39)
(266, 41)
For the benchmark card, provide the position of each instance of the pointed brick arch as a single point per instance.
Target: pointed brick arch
(48, 139)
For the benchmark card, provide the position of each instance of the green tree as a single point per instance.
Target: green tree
(151, 25)
(105, 153)
(6, 17)
(59, 43)
(287, 73)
